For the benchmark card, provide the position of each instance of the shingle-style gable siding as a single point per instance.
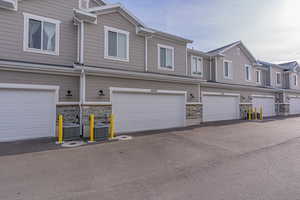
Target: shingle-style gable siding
(12, 25)
(94, 43)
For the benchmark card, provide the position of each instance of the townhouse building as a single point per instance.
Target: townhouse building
(82, 57)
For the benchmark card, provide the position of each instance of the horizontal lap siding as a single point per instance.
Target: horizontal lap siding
(64, 82)
(95, 44)
(180, 56)
(12, 29)
(96, 83)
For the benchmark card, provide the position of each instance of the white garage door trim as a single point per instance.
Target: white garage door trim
(203, 94)
(149, 91)
(32, 87)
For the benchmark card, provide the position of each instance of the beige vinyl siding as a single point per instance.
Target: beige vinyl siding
(65, 83)
(274, 70)
(94, 44)
(179, 56)
(96, 83)
(238, 68)
(206, 66)
(12, 25)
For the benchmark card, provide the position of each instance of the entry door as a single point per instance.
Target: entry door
(220, 108)
(141, 112)
(294, 106)
(267, 103)
(26, 114)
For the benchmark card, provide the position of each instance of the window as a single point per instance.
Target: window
(295, 79)
(197, 66)
(227, 69)
(278, 78)
(84, 4)
(116, 44)
(165, 57)
(248, 72)
(41, 35)
(258, 76)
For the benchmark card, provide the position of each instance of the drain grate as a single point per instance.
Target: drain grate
(124, 137)
(71, 144)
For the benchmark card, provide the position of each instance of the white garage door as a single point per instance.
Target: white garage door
(219, 108)
(294, 106)
(140, 112)
(267, 103)
(26, 114)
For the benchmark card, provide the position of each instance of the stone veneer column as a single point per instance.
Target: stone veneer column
(193, 114)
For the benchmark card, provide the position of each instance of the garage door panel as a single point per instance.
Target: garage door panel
(294, 106)
(140, 112)
(218, 108)
(267, 103)
(26, 114)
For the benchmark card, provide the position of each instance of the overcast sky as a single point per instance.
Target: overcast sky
(269, 28)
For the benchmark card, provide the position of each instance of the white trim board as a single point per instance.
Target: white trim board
(263, 96)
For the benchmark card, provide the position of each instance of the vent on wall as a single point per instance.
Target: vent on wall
(84, 4)
(9, 4)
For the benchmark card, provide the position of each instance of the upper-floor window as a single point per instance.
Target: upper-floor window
(41, 34)
(278, 78)
(116, 44)
(197, 66)
(227, 69)
(84, 4)
(258, 76)
(165, 57)
(248, 72)
(295, 79)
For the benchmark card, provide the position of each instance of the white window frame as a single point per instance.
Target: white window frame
(106, 56)
(230, 71)
(201, 66)
(80, 4)
(158, 57)
(26, 48)
(258, 76)
(295, 76)
(250, 69)
(277, 79)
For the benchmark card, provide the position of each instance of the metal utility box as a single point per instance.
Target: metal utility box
(71, 131)
(101, 131)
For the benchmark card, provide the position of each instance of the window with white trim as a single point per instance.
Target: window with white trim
(227, 69)
(165, 57)
(41, 34)
(116, 44)
(295, 79)
(84, 4)
(248, 72)
(197, 66)
(278, 78)
(258, 76)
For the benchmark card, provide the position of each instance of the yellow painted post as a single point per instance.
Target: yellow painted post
(255, 113)
(92, 128)
(250, 114)
(261, 113)
(60, 129)
(112, 127)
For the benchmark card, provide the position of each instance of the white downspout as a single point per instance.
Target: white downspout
(82, 97)
(210, 71)
(146, 51)
(82, 42)
(216, 69)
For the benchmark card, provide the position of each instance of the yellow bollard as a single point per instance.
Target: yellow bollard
(92, 128)
(250, 114)
(261, 113)
(112, 127)
(255, 113)
(60, 129)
